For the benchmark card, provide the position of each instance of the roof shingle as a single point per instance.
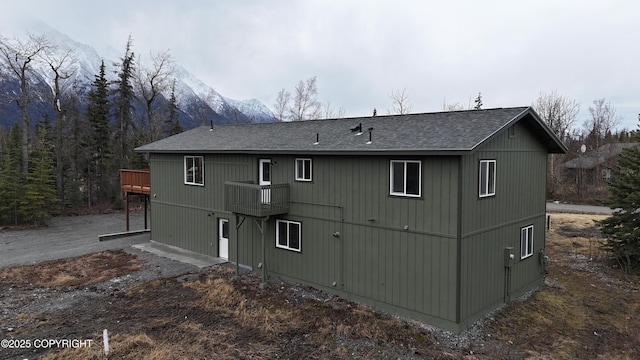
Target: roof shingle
(458, 131)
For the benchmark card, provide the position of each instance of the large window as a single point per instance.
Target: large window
(526, 241)
(303, 169)
(405, 178)
(194, 170)
(288, 235)
(487, 178)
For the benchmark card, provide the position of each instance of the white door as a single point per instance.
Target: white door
(223, 238)
(264, 174)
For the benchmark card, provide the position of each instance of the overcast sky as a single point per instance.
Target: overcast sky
(361, 51)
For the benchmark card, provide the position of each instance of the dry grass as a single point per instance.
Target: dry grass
(79, 271)
(586, 310)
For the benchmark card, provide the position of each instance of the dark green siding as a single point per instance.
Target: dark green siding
(437, 258)
(375, 258)
(489, 225)
(397, 253)
(187, 215)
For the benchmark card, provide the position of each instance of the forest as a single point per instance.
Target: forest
(67, 161)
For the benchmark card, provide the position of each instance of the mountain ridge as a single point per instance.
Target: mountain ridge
(197, 101)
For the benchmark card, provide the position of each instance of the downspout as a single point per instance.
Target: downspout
(237, 247)
(261, 226)
(459, 243)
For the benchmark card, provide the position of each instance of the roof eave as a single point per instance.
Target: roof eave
(554, 145)
(431, 152)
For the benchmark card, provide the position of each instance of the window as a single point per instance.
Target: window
(405, 178)
(303, 169)
(526, 241)
(194, 170)
(288, 235)
(487, 178)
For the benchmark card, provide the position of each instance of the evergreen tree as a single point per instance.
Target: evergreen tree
(99, 141)
(123, 106)
(12, 180)
(622, 228)
(478, 102)
(76, 150)
(173, 124)
(40, 192)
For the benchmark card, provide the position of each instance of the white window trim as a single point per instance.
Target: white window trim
(186, 170)
(306, 177)
(483, 187)
(288, 222)
(404, 193)
(526, 239)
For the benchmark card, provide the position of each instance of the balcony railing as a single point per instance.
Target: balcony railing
(256, 200)
(135, 181)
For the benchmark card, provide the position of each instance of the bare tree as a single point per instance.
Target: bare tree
(152, 83)
(599, 128)
(305, 101)
(400, 100)
(452, 107)
(58, 62)
(603, 120)
(458, 106)
(558, 112)
(19, 56)
(282, 104)
(329, 112)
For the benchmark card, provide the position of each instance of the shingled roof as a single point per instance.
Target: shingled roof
(428, 133)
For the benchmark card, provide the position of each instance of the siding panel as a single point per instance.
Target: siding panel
(491, 224)
(390, 249)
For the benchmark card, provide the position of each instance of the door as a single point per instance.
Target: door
(223, 239)
(264, 175)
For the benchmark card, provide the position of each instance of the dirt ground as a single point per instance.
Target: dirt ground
(154, 308)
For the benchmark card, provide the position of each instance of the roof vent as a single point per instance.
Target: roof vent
(370, 140)
(317, 139)
(357, 129)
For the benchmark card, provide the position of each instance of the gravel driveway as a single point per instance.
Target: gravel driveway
(68, 236)
(578, 209)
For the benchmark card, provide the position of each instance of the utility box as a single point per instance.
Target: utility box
(509, 257)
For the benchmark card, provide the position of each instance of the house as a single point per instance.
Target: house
(597, 163)
(437, 217)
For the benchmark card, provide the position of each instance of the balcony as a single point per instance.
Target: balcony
(135, 181)
(256, 200)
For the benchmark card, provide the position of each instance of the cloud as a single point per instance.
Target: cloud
(362, 50)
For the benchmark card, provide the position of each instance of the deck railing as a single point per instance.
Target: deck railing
(256, 200)
(135, 181)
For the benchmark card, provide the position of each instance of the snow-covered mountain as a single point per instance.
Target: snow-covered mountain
(198, 102)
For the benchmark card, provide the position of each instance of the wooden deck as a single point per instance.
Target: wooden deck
(135, 181)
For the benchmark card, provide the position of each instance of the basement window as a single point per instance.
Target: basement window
(405, 178)
(303, 169)
(288, 235)
(194, 170)
(526, 241)
(487, 181)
